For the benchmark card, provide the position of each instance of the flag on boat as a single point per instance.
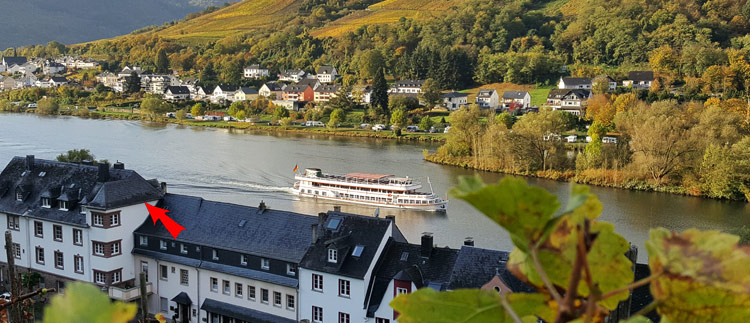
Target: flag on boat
(296, 167)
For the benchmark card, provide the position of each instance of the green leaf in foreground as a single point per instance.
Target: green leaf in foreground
(704, 276)
(468, 305)
(86, 303)
(521, 209)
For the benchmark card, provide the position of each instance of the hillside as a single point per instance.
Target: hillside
(75, 21)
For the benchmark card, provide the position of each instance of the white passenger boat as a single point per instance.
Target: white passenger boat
(366, 188)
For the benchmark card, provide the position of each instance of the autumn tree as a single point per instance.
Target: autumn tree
(600, 84)
(379, 96)
(198, 109)
(337, 116)
(600, 109)
(431, 94)
(162, 61)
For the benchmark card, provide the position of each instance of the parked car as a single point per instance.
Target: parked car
(314, 124)
(609, 140)
(378, 127)
(230, 118)
(364, 125)
(433, 130)
(412, 129)
(170, 115)
(571, 139)
(588, 139)
(448, 128)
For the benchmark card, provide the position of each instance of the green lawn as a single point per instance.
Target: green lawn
(539, 95)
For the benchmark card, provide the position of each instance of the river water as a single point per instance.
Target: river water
(249, 167)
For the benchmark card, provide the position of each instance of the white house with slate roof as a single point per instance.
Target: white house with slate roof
(327, 74)
(573, 83)
(487, 99)
(255, 72)
(521, 98)
(75, 222)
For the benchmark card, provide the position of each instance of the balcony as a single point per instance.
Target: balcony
(128, 294)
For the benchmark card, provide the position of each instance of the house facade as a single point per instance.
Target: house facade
(573, 101)
(255, 72)
(520, 99)
(177, 93)
(487, 99)
(639, 80)
(270, 88)
(325, 93)
(292, 75)
(406, 86)
(454, 100)
(327, 74)
(223, 93)
(245, 94)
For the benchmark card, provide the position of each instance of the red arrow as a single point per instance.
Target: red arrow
(161, 215)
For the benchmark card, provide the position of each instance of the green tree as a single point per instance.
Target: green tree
(379, 96)
(506, 118)
(162, 61)
(398, 118)
(235, 108)
(369, 63)
(600, 84)
(280, 112)
(337, 116)
(241, 115)
(431, 94)
(86, 303)
(133, 83)
(180, 114)
(198, 110)
(76, 156)
(342, 100)
(426, 123)
(47, 106)
(154, 107)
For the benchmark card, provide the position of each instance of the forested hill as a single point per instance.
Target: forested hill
(28, 22)
(459, 43)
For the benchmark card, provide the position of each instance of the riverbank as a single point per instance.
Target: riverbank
(597, 177)
(342, 132)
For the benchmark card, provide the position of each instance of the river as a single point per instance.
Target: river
(249, 167)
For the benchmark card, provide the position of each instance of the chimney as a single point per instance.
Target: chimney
(29, 162)
(337, 208)
(426, 244)
(262, 206)
(118, 165)
(322, 217)
(163, 187)
(314, 233)
(469, 241)
(391, 217)
(103, 175)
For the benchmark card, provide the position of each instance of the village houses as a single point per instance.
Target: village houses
(487, 99)
(516, 99)
(255, 72)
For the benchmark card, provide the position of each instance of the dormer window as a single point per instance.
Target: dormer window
(333, 255)
(63, 205)
(215, 254)
(45, 202)
(19, 196)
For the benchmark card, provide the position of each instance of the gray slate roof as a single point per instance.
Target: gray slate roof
(272, 233)
(14, 60)
(177, 90)
(485, 93)
(79, 184)
(273, 86)
(514, 95)
(455, 95)
(248, 90)
(325, 69)
(241, 313)
(577, 81)
(409, 83)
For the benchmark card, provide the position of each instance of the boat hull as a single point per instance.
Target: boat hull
(435, 207)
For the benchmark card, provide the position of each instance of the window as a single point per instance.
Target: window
(164, 273)
(143, 240)
(214, 284)
(99, 277)
(382, 320)
(19, 196)
(238, 289)
(40, 255)
(183, 248)
(116, 276)
(215, 254)
(243, 260)
(265, 264)
(344, 288)
(116, 248)
(17, 250)
(98, 248)
(291, 269)
(317, 314)
(264, 296)
(332, 255)
(184, 277)
(57, 233)
(144, 269)
(290, 302)
(162, 245)
(114, 220)
(77, 237)
(277, 299)
(317, 282)
(61, 287)
(251, 292)
(78, 264)
(38, 229)
(98, 220)
(63, 205)
(45, 202)
(163, 304)
(59, 261)
(343, 317)
(401, 290)
(13, 222)
(225, 283)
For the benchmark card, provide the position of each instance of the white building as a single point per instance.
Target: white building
(521, 99)
(177, 93)
(406, 86)
(292, 75)
(487, 99)
(573, 83)
(327, 74)
(255, 72)
(454, 100)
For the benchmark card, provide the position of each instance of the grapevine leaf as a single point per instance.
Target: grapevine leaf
(468, 305)
(86, 303)
(521, 209)
(703, 276)
(610, 269)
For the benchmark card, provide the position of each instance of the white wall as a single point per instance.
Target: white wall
(329, 298)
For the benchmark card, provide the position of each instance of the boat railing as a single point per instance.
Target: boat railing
(364, 181)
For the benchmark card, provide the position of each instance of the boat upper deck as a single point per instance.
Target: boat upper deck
(364, 178)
